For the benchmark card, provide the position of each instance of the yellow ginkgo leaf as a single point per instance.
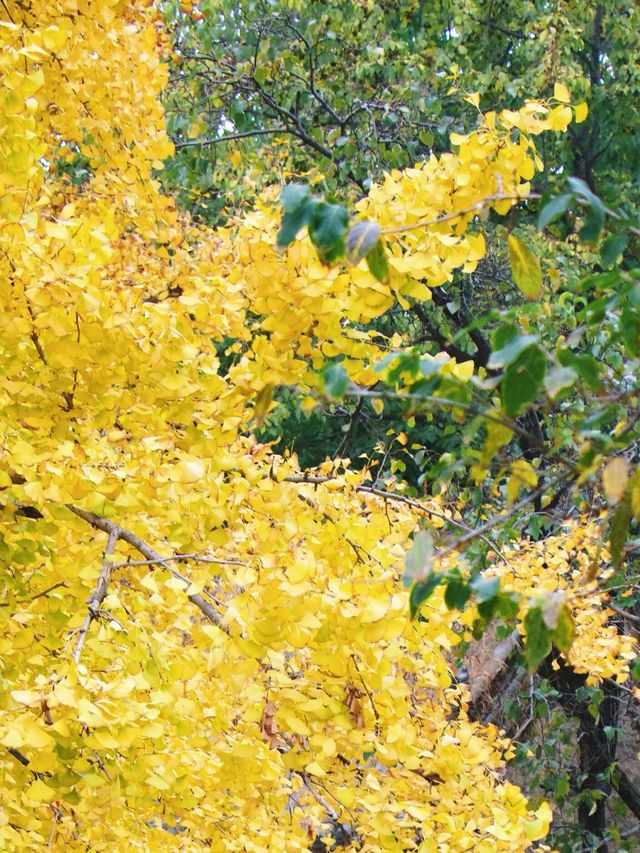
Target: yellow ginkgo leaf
(525, 268)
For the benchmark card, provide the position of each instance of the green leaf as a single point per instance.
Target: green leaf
(484, 588)
(508, 604)
(418, 562)
(522, 380)
(421, 591)
(594, 223)
(377, 262)
(559, 378)
(360, 240)
(612, 248)
(488, 608)
(630, 329)
(336, 381)
(585, 365)
(293, 195)
(619, 531)
(538, 639)
(563, 633)
(510, 351)
(553, 210)
(294, 220)
(326, 230)
(525, 268)
(457, 594)
(502, 335)
(595, 217)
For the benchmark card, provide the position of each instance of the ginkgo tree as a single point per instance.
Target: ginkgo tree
(205, 647)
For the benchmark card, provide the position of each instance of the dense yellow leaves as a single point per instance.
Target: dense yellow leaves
(570, 566)
(309, 684)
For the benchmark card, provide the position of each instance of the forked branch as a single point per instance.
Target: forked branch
(150, 555)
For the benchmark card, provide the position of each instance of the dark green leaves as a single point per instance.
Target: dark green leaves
(524, 364)
(421, 591)
(327, 223)
(547, 623)
(595, 215)
(538, 643)
(510, 351)
(327, 226)
(612, 248)
(293, 195)
(336, 381)
(523, 380)
(457, 594)
(298, 210)
(377, 262)
(619, 531)
(595, 212)
(327, 229)
(363, 242)
(553, 210)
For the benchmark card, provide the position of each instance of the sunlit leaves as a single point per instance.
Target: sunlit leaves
(614, 479)
(525, 268)
(141, 351)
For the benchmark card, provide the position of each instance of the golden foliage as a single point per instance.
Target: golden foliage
(237, 692)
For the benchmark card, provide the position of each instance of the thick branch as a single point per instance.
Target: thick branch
(503, 650)
(100, 591)
(627, 790)
(433, 333)
(462, 321)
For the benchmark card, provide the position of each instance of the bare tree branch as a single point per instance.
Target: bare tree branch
(100, 523)
(194, 143)
(100, 591)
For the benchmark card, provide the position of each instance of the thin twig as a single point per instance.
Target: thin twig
(54, 823)
(628, 833)
(196, 558)
(501, 517)
(48, 590)
(229, 137)
(624, 613)
(477, 207)
(316, 480)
